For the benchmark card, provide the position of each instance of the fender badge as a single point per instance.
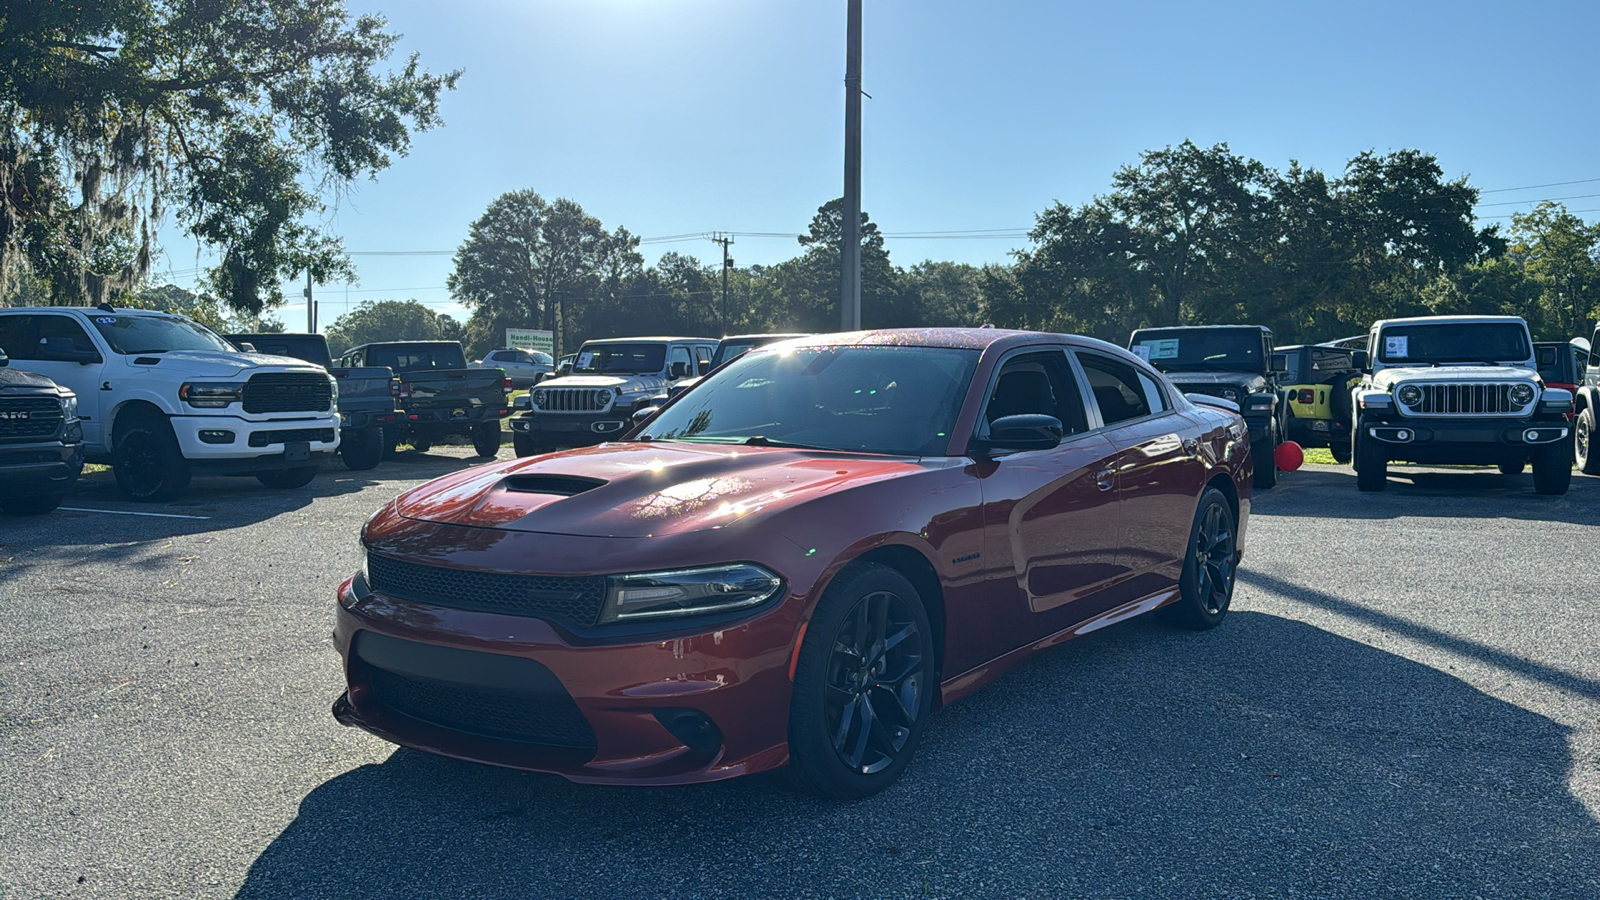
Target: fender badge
(968, 558)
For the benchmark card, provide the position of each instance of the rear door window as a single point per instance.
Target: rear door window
(1115, 387)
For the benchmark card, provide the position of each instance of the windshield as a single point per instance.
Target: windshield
(1233, 349)
(1442, 342)
(605, 359)
(157, 334)
(896, 400)
(310, 349)
(412, 357)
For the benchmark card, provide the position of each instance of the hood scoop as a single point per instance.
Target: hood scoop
(557, 485)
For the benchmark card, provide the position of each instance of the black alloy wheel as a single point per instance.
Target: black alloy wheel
(1205, 589)
(147, 461)
(864, 684)
(361, 448)
(1583, 443)
(288, 478)
(486, 439)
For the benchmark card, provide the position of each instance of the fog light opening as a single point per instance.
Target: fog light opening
(210, 436)
(692, 729)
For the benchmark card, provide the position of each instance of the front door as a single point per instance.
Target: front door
(83, 380)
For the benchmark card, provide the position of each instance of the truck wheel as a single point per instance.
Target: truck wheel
(1552, 468)
(486, 439)
(1340, 448)
(361, 448)
(1512, 467)
(527, 444)
(1372, 466)
(1266, 459)
(391, 441)
(288, 478)
(31, 506)
(421, 444)
(1583, 443)
(147, 461)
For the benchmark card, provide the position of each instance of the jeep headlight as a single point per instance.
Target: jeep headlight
(602, 396)
(1230, 394)
(211, 395)
(688, 592)
(1521, 394)
(1410, 395)
(539, 397)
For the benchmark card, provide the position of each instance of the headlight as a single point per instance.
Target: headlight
(1230, 394)
(69, 407)
(602, 397)
(539, 397)
(1521, 394)
(212, 395)
(333, 388)
(688, 592)
(1410, 395)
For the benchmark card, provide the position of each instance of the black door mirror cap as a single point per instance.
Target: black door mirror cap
(1359, 359)
(643, 415)
(1029, 431)
(4, 359)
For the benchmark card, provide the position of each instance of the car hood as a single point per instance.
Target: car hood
(633, 490)
(585, 381)
(1217, 378)
(1396, 374)
(22, 380)
(217, 363)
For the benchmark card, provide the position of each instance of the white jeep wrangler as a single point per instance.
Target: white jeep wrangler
(161, 396)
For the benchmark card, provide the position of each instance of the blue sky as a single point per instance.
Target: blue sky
(675, 117)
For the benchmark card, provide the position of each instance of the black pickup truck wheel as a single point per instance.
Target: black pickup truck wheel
(362, 448)
(147, 461)
(486, 439)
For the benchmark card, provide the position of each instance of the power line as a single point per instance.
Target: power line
(1529, 187)
(1544, 200)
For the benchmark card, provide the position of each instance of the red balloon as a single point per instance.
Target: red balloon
(1288, 456)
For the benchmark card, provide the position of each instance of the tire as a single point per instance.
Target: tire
(146, 460)
(1583, 435)
(852, 730)
(1205, 589)
(421, 444)
(1552, 469)
(288, 478)
(1340, 448)
(391, 441)
(32, 506)
(1372, 466)
(486, 439)
(1512, 467)
(362, 448)
(1264, 453)
(528, 445)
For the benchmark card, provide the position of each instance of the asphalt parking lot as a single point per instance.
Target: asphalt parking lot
(1404, 702)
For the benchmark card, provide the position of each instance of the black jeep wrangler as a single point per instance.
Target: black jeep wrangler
(1234, 362)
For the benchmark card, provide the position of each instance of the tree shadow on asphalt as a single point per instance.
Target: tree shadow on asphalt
(1267, 757)
(1328, 492)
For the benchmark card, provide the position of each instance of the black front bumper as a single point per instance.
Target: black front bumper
(1441, 441)
(572, 428)
(34, 470)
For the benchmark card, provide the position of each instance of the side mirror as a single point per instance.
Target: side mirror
(64, 349)
(1359, 359)
(644, 414)
(1547, 356)
(247, 347)
(1023, 432)
(1280, 363)
(679, 370)
(4, 359)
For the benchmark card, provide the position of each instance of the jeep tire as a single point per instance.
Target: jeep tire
(1552, 468)
(1583, 435)
(1512, 466)
(1265, 453)
(1372, 466)
(486, 438)
(361, 448)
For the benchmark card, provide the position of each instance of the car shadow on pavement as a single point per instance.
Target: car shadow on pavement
(1266, 758)
(1328, 491)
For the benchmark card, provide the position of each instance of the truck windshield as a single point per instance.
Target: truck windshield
(1445, 342)
(157, 334)
(412, 357)
(894, 400)
(607, 359)
(312, 349)
(1234, 349)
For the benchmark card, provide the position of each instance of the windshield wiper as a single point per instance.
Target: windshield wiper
(764, 441)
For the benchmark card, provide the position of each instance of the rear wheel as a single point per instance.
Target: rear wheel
(421, 444)
(147, 461)
(863, 684)
(1512, 467)
(1583, 443)
(1372, 466)
(486, 438)
(1206, 587)
(391, 441)
(288, 478)
(1552, 468)
(361, 448)
(1340, 448)
(32, 506)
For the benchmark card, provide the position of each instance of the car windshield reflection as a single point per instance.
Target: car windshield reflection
(893, 400)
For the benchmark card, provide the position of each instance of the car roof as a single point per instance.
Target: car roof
(1198, 328)
(94, 310)
(1458, 319)
(651, 338)
(949, 338)
(773, 336)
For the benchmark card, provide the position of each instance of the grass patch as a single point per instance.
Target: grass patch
(1319, 456)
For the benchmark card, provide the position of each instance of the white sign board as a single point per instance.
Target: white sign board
(531, 339)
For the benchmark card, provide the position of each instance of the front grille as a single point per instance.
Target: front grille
(314, 435)
(576, 601)
(23, 418)
(551, 719)
(575, 400)
(1467, 399)
(274, 392)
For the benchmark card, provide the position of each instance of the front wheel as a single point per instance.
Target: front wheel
(1372, 466)
(32, 506)
(147, 461)
(1340, 448)
(361, 448)
(1552, 468)
(486, 438)
(1512, 467)
(1205, 589)
(288, 478)
(1583, 443)
(1265, 453)
(863, 684)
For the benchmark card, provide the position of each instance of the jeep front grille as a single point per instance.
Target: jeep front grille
(575, 400)
(1467, 399)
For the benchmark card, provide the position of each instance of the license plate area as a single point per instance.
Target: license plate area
(296, 451)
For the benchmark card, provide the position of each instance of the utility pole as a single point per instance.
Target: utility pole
(850, 241)
(311, 307)
(727, 263)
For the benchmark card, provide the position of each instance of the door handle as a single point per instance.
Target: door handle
(1105, 479)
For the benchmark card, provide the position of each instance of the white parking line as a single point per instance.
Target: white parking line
(118, 512)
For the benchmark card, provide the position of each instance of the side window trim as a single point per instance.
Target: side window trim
(980, 428)
(1097, 422)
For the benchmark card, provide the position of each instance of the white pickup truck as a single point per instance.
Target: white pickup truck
(161, 397)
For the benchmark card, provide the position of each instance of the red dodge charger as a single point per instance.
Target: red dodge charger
(795, 562)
